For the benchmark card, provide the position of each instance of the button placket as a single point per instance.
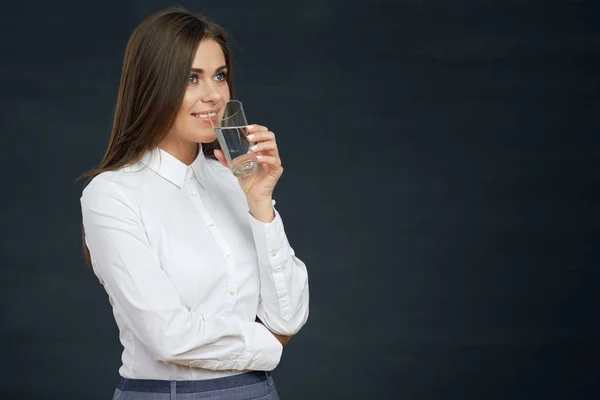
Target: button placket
(230, 285)
(190, 183)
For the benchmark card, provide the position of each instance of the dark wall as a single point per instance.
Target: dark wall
(442, 170)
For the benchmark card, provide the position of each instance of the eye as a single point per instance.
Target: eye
(193, 79)
(222, 76)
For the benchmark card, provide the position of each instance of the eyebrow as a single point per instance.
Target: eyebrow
(201, 71)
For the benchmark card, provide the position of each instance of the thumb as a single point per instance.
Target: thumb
(221, 157)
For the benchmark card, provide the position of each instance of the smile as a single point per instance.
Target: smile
(206, 117)
(210, 115)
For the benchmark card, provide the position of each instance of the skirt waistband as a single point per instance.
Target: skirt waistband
(164, 386)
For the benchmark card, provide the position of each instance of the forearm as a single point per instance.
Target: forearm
(284, 295)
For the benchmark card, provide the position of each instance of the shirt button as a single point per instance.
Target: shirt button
(194, 193)
(274, 254)
(232, 292)
(211, 223)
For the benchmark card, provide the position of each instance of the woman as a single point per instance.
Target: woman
(204, 285)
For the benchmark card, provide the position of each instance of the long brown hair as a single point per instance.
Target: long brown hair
(156, 70)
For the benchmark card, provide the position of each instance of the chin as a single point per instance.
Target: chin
(208, 139)
(204, 137)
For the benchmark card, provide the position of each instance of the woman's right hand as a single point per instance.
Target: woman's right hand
(282, 338)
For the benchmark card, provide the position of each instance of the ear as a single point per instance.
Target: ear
(221, 157)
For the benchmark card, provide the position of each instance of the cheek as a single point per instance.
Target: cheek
(184, 111)
(225, 93)
(189, 99)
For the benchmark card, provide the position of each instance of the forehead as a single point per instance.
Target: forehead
(209, 56)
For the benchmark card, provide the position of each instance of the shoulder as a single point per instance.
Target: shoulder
(101, 183)
(123, 185)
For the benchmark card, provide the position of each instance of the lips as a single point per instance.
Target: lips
(208, 116)
(205, 115)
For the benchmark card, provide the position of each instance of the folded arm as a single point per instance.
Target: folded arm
(284, 295)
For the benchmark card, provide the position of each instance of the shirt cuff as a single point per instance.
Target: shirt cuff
(272, 245)
(263, 350)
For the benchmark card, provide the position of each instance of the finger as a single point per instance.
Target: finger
(273, 162)
(264, 146)
(261, 136)
(256, 128)
(221, 157)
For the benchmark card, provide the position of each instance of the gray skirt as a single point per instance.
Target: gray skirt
(256, 385)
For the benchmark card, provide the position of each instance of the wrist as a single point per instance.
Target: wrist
(262, 209)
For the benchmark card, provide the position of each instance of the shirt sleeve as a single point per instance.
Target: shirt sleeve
(284, 295)
(148, 301)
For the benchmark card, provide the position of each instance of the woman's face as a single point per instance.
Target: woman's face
(205, 96)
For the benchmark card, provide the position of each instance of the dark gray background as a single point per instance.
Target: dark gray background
(441, 185)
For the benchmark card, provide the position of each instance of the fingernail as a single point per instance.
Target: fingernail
(253, 148)
(250, 126)
(250, 137)
(259, 157)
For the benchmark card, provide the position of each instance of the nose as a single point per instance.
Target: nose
(211, 94)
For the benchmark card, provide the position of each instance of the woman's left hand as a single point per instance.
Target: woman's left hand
(259, 186)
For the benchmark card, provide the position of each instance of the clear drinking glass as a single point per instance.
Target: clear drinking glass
(231, 133)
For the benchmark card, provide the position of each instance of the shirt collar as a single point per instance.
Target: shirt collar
(173, 170)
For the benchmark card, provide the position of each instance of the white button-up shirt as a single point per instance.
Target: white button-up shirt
(187, 269)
